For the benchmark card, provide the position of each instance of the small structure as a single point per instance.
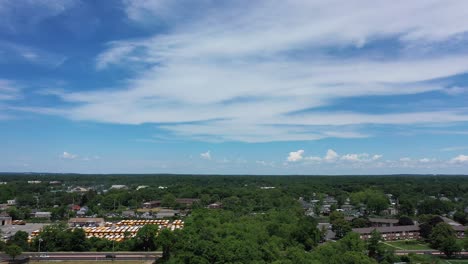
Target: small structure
(11, 202)
(152, 204)
(164, 213)
(460, 231)
(84, 221)
(5, 220)
(83, 211)
(118, 187)
(34, 182)
(79, 189)
(128, 213)
(45, 215)
(217, 205)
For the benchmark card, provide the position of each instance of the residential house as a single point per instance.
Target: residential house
(82, 211)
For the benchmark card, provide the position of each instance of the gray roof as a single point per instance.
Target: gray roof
(386, 229)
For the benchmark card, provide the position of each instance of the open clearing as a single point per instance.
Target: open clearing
(407, 245)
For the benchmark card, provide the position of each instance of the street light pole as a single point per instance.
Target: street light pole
(39, 249)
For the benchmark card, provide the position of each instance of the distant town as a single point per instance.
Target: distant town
(401, 215)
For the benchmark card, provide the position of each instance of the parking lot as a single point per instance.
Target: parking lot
(10, 230)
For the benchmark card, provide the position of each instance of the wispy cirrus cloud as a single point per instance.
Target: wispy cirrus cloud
(264, 73)
(13, 13)
(9, 90)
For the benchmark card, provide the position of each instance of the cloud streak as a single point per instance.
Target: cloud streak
(265, 72)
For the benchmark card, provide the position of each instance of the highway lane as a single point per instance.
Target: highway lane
(88, 255)
(429, 252)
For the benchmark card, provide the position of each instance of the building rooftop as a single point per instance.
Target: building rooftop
(386, 229)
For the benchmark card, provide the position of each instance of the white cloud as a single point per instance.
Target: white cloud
(425, 160)
(239, 71)
(206, 155)
(12, 13)
(456, 148)
(9, 90)
(456, 90)
(67, 155)
(377, 157)
(313, 158)
(460, 159)
(331, 155)
(295, 156)
(405, 159)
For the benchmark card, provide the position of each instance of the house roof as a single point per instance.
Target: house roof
(386, 229)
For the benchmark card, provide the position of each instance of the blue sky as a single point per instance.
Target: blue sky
(251, 87)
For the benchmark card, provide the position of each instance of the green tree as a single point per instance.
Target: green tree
(13, 251)
(339, 225)
(360, 222)
(405, 220)
(450, 246)
(167, 240)
(146, 238)
(443, 238)
(21, 239)
(168, 200)
(373, 244)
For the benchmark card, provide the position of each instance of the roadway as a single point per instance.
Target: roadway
(57, 256)
(428, 252)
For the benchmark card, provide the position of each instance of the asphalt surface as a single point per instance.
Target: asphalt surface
(51, 256)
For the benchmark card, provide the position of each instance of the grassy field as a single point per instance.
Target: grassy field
(456, 261)
(407, 245)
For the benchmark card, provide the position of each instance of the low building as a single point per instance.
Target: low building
(84, 221)
(460, 230)
(11, 202)
(34, 182)
(390, 233)
(379, 222)
(164, 213)
(383, 222)
(152, 204)
(78, 189)
(55, 182)
(5, 220)
(45, 215)
(128, 213)
(118, 187)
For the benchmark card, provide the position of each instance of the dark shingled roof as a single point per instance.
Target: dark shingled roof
(386, 229)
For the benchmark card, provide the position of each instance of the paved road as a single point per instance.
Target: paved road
(421, 252)
(88, 255)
